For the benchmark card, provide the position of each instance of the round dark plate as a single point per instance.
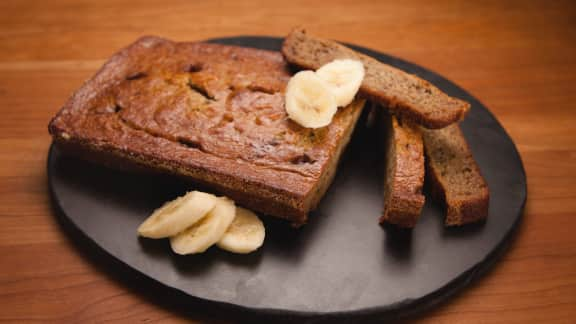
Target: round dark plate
(342, 265)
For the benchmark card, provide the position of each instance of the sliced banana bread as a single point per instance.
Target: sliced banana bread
(403, 199)
(404, 94)
(455, 178)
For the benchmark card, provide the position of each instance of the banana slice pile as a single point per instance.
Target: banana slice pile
(198, 220)
(312, 98)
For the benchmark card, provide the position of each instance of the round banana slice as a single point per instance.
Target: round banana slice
(202, 235)
(245, 234)
(177, 215)
(344, 78)
(309, 102)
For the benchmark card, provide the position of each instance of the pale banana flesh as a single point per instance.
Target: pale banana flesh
(205, 233)
(177, 215)
(344, 78)
(312, 98)
(245, 234)
(309, 102)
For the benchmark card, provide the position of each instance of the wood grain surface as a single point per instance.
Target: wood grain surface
(518, 57)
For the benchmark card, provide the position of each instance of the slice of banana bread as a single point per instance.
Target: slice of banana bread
(211, 113)
(404, 94)
(455, 178)
(403, 199)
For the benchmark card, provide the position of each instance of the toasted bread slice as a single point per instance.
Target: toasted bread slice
(404, 94)
(210, 113)
(455, 178)
(403, 199)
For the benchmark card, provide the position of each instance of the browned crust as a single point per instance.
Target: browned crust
(318, 52)
(403, 200)
(254, 196)
(285, 194)
(458, 212)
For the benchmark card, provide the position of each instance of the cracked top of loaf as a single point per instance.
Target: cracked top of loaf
(200, 107)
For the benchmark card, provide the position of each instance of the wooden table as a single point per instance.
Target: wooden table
(518, 57)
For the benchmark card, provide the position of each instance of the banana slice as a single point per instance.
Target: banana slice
(245, 234)
(309, 101)
(202, 235)
(344, 78)
(177, 215)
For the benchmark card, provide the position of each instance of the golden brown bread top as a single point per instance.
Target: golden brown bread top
(216, 107)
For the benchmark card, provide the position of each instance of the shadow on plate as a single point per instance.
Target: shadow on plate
(464, 230)
(127, 190)
(398, 242)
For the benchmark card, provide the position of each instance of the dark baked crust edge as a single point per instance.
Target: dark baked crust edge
(405, 112)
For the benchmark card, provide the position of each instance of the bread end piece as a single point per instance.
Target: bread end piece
(454, 176)
(403, 199)
(407, 96)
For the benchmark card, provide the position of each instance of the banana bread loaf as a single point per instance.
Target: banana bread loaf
(211, 113)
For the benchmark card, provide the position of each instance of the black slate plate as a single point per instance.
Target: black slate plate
(342, 265)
